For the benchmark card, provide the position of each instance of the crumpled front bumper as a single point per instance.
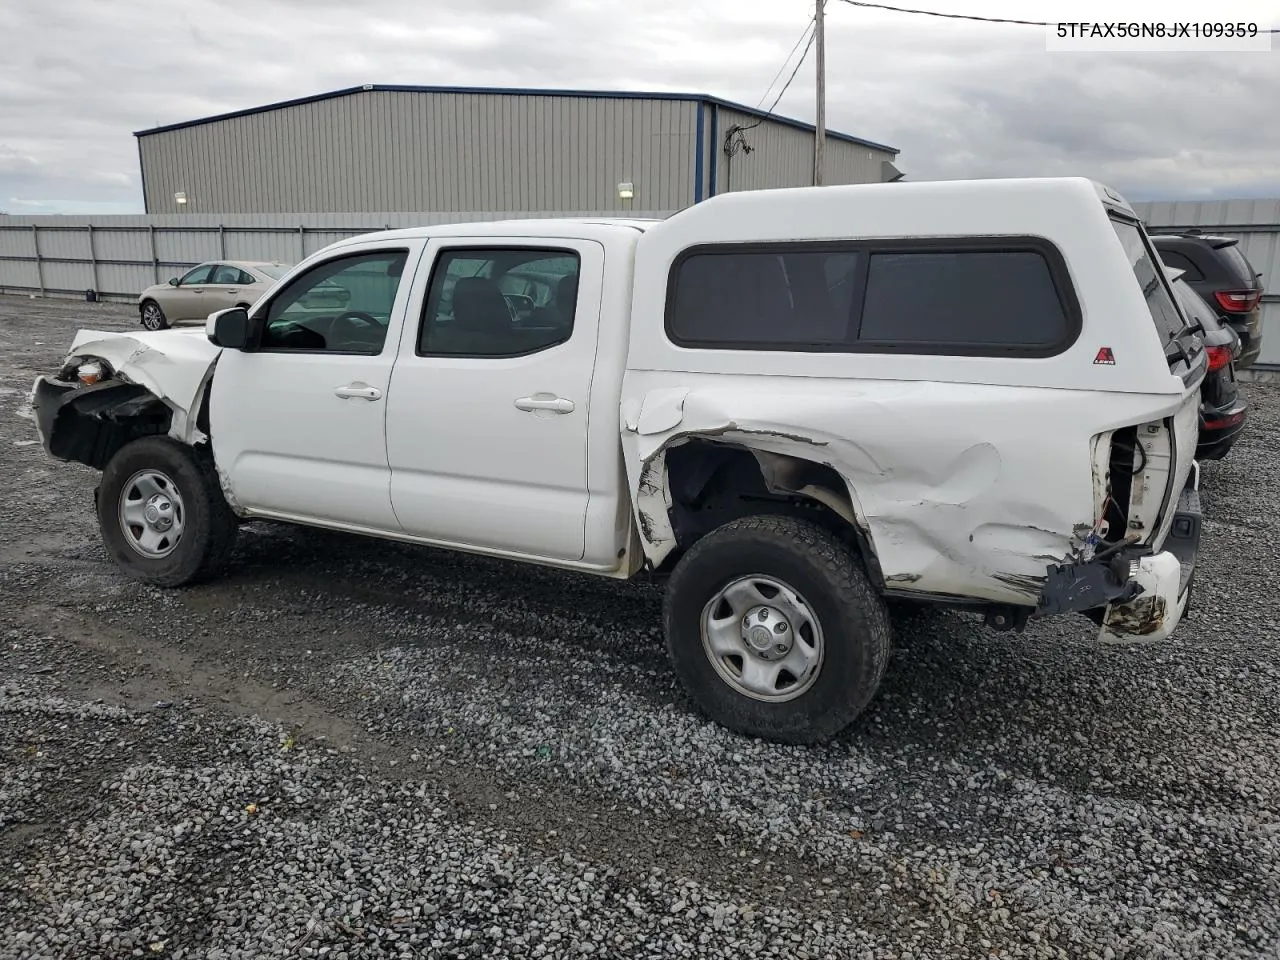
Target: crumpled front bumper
(44, 400)
(1135, 596)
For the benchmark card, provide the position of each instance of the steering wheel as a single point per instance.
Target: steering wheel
(366, 319)
(354, 332)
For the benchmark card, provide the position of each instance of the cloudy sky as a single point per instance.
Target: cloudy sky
(960, 99)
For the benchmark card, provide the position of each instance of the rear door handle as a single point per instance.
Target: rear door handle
(361, 390)
(554, 404)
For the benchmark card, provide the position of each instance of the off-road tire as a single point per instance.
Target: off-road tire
(209, 527)
(830, 577)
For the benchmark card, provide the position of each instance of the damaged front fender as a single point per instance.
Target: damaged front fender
(171, 366)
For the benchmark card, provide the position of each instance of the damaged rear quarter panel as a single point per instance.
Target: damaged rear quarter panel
(964, 490)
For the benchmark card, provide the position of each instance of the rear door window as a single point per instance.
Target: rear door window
(1164, 313)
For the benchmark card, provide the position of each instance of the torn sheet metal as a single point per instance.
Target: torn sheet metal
(661, 410)
(175, 365)
(958, 488)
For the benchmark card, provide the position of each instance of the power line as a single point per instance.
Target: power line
(734, 141)
(963, 16)
(948, 16)
(807, 27)
(799, 64)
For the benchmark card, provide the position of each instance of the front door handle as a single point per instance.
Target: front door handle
(361, 390)
(542, 402)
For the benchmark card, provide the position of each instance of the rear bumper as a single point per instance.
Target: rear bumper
(1133, 594)
(1165, 578)
(1219, 429)
(1249, 329)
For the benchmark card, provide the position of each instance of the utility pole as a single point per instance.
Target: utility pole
(820, 127)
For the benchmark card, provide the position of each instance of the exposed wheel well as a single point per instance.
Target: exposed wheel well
(95, 423)
(711, 483)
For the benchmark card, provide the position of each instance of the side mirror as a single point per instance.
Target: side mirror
(228, 328)
(173, 281)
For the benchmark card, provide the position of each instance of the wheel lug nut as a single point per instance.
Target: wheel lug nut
(779, 627)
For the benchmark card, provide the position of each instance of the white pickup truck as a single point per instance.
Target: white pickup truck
(794, 405)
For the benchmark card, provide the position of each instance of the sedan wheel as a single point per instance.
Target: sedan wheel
(153, 317)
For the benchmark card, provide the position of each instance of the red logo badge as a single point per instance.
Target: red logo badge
(1105, 356)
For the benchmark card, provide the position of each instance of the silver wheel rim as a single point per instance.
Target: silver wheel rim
(763, 639)
(152, 515)
(151, 318)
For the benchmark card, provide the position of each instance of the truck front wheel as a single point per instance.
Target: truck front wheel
(775, 631)
(162, 514)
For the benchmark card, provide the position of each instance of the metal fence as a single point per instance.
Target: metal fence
(119, 256)
(1256, 224)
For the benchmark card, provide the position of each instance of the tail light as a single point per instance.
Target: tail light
(1238, 301)
(1219, 357)
(1220, 423)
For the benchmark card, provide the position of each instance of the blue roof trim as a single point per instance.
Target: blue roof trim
(715, 150)
(519, 92)
(697, 159)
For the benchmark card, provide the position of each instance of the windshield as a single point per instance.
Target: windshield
(1164, 313)
(274, 271)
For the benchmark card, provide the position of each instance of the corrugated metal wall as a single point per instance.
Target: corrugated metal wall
(391, 150)
(119, 256)
(782, 156)
(1257, 225)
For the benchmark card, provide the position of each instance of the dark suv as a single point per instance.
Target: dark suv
(1217, 270)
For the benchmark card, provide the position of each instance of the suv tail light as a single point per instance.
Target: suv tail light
(1238, 301)
(1219, 357)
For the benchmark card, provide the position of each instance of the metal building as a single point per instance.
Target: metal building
(389, 148)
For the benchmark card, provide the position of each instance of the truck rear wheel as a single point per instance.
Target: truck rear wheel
(162, 515)
(775, 631)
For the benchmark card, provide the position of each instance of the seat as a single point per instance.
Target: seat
(480, 307)
(567, 297)
(481, 320)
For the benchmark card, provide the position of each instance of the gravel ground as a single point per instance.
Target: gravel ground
(348, 748)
